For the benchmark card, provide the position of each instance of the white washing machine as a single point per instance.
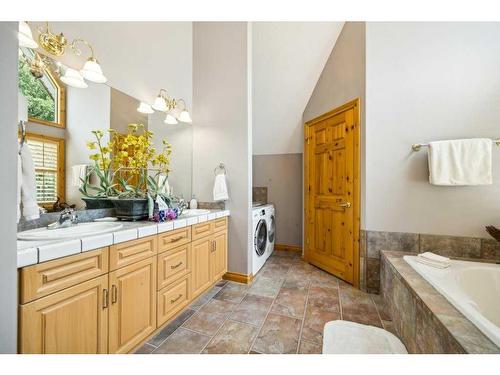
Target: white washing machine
(261, 236)
(271, 229)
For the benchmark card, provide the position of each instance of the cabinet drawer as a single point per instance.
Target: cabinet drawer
(173, 298)
(220, 224)
(203, 229)
(174, 239)
(126, 253)
(173, 264)
(46, 278)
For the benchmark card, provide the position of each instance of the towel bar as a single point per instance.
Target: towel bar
(418, 146)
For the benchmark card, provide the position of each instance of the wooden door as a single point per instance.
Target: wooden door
(332, 198)
(200, 277)
(132, 310)
(74, 321)
(218, 256)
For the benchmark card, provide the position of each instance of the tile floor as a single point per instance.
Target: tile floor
(282, 311)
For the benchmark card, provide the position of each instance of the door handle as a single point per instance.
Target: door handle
(345, 205)
(114, 294)
(105, 298)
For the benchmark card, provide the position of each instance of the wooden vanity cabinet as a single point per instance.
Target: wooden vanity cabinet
(74, 320)
(132, 305)
(110, 300)
(218, 256)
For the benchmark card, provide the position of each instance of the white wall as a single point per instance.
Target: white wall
(180, 136)
(288, 58)
(86, 110)
(222, 124)
(425, 82)
(138, 58)
(8, 178)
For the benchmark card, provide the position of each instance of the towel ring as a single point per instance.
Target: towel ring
(221, 167)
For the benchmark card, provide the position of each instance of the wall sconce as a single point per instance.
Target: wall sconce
(55, 45)
(164, 103)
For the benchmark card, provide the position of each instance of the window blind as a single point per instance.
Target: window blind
(45, 157)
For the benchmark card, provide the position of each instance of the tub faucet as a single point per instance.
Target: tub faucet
(66, 219)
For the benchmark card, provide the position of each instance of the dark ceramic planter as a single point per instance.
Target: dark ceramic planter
(97, 203)
(131, 209)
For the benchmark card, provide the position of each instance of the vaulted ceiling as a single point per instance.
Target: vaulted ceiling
(288, 58)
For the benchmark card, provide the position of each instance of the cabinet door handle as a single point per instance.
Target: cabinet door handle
(176, 266)
(176, 299)
(175, 239)
(105, 298)
(214, 246)
(114, 293)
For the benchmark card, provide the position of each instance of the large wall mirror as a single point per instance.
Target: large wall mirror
(62, 117)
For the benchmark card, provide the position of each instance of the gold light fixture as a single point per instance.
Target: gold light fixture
(164, 103)
(56, 45)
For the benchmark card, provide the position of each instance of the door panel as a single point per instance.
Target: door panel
(132, 313)
(72, 321)
(332, 194)
(218, 259)
(200, 278)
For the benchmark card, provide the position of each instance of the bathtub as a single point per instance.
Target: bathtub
(472, 287)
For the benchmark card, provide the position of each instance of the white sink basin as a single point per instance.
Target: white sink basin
(75, 231)
(195, 212)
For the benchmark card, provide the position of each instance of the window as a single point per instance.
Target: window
(46, 95)
(48, 157)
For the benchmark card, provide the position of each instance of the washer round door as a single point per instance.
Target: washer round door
(260, 239)
(272, 229)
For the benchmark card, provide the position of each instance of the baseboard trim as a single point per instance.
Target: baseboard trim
(290, 248)
(238, 277)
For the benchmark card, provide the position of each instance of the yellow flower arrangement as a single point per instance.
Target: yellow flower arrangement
(127, 158)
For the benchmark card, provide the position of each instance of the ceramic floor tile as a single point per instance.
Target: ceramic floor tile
(171, 327)
(206, 323)
(145, 349)
(278, 335)
(324, 298)
(266, 287)
(314, 322)
(205, 297)
(183, 341)
(221, 307)
(253, 309)
(291, 302)
(307, 347)
(232, 338)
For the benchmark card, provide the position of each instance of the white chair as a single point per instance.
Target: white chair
(343, 337)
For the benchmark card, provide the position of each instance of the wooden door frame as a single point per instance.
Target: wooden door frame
(356, 207)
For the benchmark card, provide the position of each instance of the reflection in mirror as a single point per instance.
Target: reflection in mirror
(180, 136)
(60, 152)
(45, 93)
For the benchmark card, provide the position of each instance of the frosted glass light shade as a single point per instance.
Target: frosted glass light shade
(185, 117)
(171, 120)
(145, 108)
(160, 104)
(25, 36)
(92, 71)
(72, 78)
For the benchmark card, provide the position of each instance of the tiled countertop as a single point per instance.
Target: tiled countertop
(33, 252)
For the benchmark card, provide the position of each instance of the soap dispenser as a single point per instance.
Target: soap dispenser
(193, 203)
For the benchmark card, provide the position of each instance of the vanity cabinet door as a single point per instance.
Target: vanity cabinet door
(72, 321)
(132, 305)
(200, 275)
(218, 256)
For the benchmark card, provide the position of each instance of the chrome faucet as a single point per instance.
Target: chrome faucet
(67, 218)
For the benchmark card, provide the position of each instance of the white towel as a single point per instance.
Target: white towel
(433, 260)
(460, 162)
(79, 173)
(220, 188)
(31, 211)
